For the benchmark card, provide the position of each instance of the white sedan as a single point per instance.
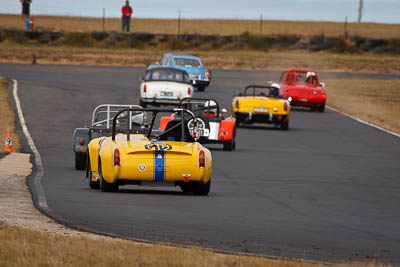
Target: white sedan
(161, 85)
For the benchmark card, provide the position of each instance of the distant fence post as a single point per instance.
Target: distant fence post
(360, 11)
(104, 19)
(345, 28)
(261, 23)
(179, 22)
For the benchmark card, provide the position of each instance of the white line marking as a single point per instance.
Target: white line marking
(364, 122)
(42, 201)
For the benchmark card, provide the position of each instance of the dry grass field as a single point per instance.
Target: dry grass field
(215, 59)
(20, 247)
(7, 117)
(207, 26)
(375, 101)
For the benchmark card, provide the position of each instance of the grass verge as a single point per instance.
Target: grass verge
(207, 26)
(20, 247)
(7, 118)
(375, 101)
(216, 59)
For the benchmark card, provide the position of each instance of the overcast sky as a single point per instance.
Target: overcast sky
(386, 11)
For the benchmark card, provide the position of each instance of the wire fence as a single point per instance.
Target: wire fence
(283, 10)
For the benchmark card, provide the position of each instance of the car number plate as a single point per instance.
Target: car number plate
(164, 93)
(304, 100)
(264, 110)
(200, 132)
(167, 95)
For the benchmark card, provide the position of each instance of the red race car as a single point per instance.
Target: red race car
(303, 88)
(212, 125)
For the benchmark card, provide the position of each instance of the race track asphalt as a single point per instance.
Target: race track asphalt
(328, 189)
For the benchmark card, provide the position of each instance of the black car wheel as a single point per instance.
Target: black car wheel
(321, 108)
(285, 125)
(201, 88)
(228, 145)
(105, 186)
(231, 144)
(237, 122)
(142, 104)
(234, 138)
(92, 185)
(186, 188)
(80, 161)
(200, 189)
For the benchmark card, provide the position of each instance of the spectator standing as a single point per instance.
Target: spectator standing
(126, 16)
(25, 9)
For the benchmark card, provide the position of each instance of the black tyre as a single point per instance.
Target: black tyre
(231, 144)
(285, 125)
(321, 108)
(228, 145)
(201, 88)
(143, 104)
(200, 189)
(80, 161)
(105, 186)
(186, 188)
(237, 122)
(92, 185)
(234, 138)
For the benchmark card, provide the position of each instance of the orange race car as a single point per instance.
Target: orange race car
(212, 125)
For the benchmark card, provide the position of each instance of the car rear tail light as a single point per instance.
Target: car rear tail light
(208, 73)
(144, 88)
(237, 104)
(82, 142)
(202, 159)
(189, 91)
(117, 158)
(285, 106)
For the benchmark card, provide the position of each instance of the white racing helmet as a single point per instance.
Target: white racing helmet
(310, 73)
(275, 85)
(138, 118)
(211, 103)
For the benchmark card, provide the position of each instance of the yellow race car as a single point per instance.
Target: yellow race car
(138, 154)
(261, 104)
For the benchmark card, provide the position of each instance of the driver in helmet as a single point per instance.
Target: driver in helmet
(311, 78)
(210, 108)
(274, 91)
(136, 119)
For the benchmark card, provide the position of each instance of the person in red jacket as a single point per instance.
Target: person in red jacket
(126, 16)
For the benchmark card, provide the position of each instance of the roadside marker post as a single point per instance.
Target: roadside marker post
(8, 144)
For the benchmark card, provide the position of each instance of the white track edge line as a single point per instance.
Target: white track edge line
(363, 122)
(42, 201)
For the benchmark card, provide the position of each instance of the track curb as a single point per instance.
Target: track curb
(363, 122)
